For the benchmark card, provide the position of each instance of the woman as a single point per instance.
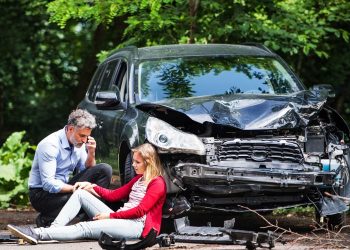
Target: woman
(135, 219)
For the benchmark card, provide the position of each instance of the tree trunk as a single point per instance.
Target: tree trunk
(89, 64)
(102, 37)
(2, 111)
(299, 63)
(341, 99)
(193, 5)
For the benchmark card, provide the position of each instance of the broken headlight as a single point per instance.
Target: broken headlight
(170, 139)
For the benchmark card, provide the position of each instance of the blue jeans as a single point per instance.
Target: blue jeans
(50, 204)
(117, 228)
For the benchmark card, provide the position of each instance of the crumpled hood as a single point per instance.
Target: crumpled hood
(246, 112)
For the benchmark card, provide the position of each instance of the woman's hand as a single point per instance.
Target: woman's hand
(85, 185)
(101, 216)
(81, 185)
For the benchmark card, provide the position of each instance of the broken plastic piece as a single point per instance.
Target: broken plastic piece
(106, 242)
(176, 206)
(221, 235)
(332, 205)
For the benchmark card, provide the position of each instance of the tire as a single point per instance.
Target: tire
(129, 171)
(336, 221)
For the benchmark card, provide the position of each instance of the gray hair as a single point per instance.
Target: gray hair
(82, 118)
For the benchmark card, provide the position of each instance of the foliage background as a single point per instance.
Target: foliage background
(50, 49)
(15, 163)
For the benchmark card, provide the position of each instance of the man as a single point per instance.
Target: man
(57, 156)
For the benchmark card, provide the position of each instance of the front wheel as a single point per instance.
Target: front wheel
(129, 171)
(336, 221)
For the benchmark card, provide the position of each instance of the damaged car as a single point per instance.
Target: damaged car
(234, 126)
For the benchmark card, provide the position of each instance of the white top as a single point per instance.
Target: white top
(137, 193)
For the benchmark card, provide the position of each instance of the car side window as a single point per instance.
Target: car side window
(120, 82)
(95, 82)
(107, 76)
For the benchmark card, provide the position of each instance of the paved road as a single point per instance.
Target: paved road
(301, 225)
(93, 245)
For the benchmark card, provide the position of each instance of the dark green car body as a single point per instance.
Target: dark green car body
(232, 123)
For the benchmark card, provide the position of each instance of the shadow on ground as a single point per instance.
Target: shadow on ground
(247, 221)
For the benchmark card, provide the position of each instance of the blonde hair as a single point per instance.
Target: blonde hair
(153, 165)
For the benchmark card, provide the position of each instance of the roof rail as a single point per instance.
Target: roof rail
(132, 48)
(259, 45)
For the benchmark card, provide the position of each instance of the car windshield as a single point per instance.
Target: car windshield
(202, 76)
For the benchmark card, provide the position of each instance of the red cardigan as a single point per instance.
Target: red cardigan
(151, 204)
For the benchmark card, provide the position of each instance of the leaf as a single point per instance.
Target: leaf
(8, 172)
(15, 163)
(345, 35)
(13, 140)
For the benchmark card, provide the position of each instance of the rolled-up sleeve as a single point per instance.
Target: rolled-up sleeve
(47, 160)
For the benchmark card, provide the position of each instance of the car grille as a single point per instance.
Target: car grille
(260, 150)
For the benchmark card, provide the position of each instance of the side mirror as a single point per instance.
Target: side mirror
(324, 90)
(107, 99)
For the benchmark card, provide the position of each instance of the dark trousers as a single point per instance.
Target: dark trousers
(50, 204)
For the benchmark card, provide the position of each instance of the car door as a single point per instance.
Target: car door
(101, 81)
(109, 118)
(89, 104)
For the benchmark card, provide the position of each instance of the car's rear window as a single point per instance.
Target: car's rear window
(198, 76)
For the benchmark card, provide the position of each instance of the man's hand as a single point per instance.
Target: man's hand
(82, 185)
(91, 148)
(101, 216)
(91, 144)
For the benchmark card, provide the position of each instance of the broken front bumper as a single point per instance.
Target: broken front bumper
(201, 174)
(222, 188)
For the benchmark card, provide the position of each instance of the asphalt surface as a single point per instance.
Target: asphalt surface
(298, 224)
(93, 245)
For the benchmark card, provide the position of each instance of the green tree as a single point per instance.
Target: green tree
(49, 47)
(44, 70)
(310, 34)
(37, 69)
